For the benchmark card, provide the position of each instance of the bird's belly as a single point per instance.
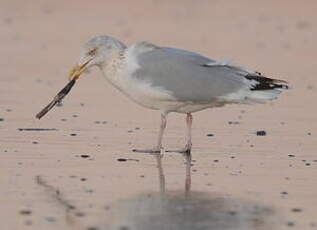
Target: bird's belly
(150, 97)
(144, 93)
(156, 101)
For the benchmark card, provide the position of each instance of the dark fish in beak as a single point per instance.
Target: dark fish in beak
(57, 99)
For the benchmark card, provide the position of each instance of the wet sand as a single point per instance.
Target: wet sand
(74, 174)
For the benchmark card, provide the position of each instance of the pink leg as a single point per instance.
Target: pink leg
(158, 147)
(162, 128)
(188, 146)
(189, 122)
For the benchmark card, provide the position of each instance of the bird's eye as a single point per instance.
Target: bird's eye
(92, 52)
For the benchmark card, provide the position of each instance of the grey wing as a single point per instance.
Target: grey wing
(187, 75)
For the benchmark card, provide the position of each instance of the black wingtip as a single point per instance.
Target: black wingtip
(265, 83)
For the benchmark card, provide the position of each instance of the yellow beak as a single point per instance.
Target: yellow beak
(77, 71)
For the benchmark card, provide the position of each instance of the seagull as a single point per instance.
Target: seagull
(173, 80)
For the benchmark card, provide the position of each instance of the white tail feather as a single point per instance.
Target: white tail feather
(268, 94)
(247, 96)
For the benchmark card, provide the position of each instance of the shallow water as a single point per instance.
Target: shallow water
(188, 210)
(198, 211)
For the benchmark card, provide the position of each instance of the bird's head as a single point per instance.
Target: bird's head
(95, 52)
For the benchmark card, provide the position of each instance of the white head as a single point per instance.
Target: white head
(96, 52)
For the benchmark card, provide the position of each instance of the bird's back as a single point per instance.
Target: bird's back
(185, 75)
(193, 77)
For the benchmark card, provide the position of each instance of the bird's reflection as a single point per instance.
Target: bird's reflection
(188, 160)
(187, 210)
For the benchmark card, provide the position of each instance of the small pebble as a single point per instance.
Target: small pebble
(73, 134)
(261, 133)
(83, 179)
(291, 155)
(284, 193)
(25, 212)
(122, 159)
(307, 164)
(296, 210)
(290, 223)
(232, 213)
(34, 142)
(84, 156)
(210, 135)
(92, 228)
(80, 214)
(1, 119)
(216, 161)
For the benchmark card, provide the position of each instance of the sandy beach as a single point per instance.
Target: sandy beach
(74, 168)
